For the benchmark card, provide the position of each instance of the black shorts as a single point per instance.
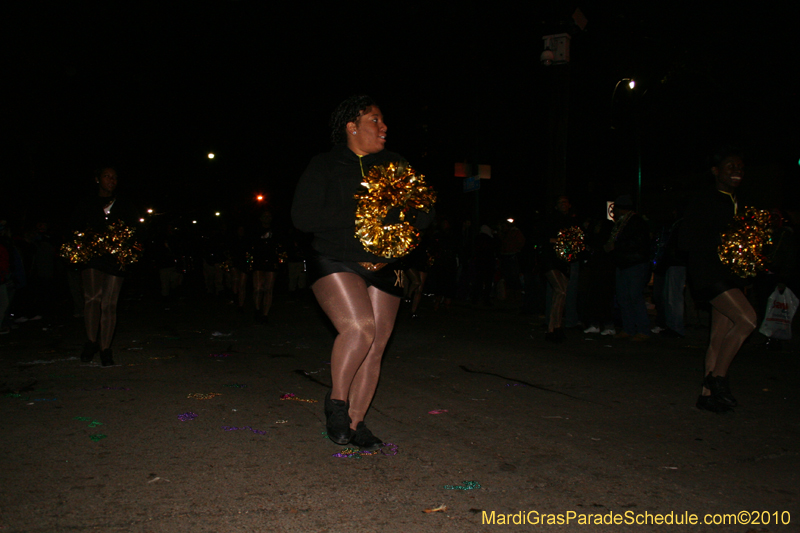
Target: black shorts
(709, 292)
(388, 279)
(709, 279)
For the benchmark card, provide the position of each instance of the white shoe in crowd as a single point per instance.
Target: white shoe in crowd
(592, 329)
(608, 331)
(658, 329)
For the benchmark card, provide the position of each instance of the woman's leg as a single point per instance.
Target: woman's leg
(112, 285)
(258, 287)
(92, 293)
(423, 276)
(558, 281)
(239, 286)
(733, 319)
(412, 274)
(362, 390)
(269, 285)
(344, 298)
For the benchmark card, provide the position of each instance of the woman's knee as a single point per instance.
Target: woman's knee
(749, 321)
(93, 299)
(362, 329)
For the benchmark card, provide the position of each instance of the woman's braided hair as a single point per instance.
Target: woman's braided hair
(348, 111)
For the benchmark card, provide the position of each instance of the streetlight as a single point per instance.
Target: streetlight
(631, 86)
(211, 155)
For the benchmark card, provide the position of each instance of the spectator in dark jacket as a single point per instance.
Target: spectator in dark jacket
(629, 246)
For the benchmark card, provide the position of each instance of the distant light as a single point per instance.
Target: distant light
(141, 220)
(631, 84)
(260, 197)
(149, 211)
(211, 155)
(194, 222)
(510, 220)
(216, 214)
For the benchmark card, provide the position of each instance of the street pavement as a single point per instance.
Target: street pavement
(491, 428)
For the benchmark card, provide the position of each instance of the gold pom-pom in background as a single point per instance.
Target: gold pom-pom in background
(391, 186)
(569, 243)
(744, 241)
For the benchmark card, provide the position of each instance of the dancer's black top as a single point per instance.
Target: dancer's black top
(706, 218)
(325, 204)
(265, 252)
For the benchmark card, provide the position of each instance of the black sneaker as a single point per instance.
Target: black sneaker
(89, 349)
(337, 420)
(718, 385)
(709, 403)
(364, 439)
(105, 357)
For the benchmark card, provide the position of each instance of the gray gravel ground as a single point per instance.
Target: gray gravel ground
(594, 427)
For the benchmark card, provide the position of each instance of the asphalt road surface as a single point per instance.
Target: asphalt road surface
(492, 429)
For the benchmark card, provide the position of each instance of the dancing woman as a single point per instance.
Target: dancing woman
(265, 267)
(556, 270)
(102, 276)
(732, 316)
(359, 291)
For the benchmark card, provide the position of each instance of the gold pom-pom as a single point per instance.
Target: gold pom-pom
(388, 187)
(81, 249)
(744, 240)
(569, 243)
(117, 241)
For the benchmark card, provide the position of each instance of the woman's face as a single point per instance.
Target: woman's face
(367, 135)
(107, 181)
(563, 205)
(729, 173)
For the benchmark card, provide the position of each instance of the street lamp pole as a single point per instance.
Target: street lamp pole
(631, 85)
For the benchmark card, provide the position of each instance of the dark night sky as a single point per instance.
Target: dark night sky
(153, 89)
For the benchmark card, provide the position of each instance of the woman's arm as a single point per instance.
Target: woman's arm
(319, 204)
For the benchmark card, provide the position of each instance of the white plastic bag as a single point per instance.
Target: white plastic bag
(780, 311)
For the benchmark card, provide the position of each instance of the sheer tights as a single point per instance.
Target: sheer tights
(418, 279)
(732, 321)
(100, 294)
(239, 285)
(558, 281)
(364, 318)
(263, 284)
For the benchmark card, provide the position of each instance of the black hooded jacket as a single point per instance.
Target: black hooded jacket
(325, 205)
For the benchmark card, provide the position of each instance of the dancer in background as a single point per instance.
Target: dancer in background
(265, 267)
(556, 270)
(102, 276)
